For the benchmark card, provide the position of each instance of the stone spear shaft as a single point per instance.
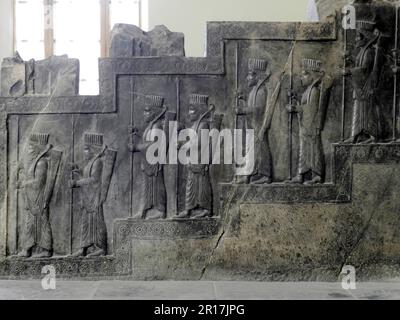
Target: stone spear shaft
(178, 119)
(132, 141)
(290, 120)
(344, 82)
(395, 79)
(71, 197)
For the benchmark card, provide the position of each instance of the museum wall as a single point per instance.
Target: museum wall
(185, 16)
(6, 42)
(190, 16)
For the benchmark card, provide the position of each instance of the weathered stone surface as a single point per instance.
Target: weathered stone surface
(324, 195)
(57, 75)
(329, 7)
(13, 77)
(130, 41)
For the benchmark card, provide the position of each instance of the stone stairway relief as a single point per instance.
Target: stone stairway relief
(80, 193)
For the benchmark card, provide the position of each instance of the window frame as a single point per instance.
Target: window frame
(105, 26)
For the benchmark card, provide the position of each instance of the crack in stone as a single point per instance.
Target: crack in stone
(230, 204)
(203, 271)
(362, 234)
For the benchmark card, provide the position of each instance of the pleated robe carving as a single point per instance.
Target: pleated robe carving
(94, 231)
(153, 192)
(37, 225)
(198, 185)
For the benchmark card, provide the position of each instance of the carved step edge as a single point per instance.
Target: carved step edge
(338, 191)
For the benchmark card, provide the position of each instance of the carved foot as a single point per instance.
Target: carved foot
(315, 180)
(351, 140)
(368, 141)
(183, 215)
(155, 215)
(139, 216)
(97, 253)
(79, 254)
(42, 255)
(262, 180)
(23, 254)
(241, 180)
(200, 214)
(297, 180)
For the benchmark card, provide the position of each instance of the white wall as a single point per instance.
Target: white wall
(6, 27)
(190, 16)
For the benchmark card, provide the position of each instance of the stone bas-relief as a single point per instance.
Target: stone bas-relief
(130, 41)
(57, 75)
(94, 183)
(323, 105)
(311, 111)
(255, 110)
(153, 194)
(199, 194)
(36, 178)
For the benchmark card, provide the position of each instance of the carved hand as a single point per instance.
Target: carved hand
(239, 95)
(262, 133)
(19, 184)
(133, 130)
(73, 167)
(291, 108)
(72, 184)
(132, 147)
(239, 111)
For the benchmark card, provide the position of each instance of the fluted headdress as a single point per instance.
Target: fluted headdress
(154, 101)
(196, 99)
(39, 138)
(312, 65)
(93, 139)
(365, 25)
(257, 64)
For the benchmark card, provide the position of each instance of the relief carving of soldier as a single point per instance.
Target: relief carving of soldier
(255, 114)
(153, 193)
(366, 119)
(93, 183)
(311, 112)
(199, 195)
(36, 179)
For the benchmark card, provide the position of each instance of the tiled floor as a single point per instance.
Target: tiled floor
(167, 290)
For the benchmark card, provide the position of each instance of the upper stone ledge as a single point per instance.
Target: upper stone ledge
(56, 75)
(327, 8)
(217, 32)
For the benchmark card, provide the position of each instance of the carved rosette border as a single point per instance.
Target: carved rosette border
(165, 229)
(122, 248)
(66, 267)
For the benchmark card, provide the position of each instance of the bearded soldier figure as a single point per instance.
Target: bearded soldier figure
(311, 112)
(198, 199)
(366, 126)
(92, 187)
(257, 116)
(36, 185)
(153, 193)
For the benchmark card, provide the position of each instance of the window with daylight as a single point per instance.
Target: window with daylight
(80, 29)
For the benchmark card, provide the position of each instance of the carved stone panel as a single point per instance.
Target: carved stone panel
(110, 188)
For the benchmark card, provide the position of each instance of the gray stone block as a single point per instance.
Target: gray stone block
(130, 41)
